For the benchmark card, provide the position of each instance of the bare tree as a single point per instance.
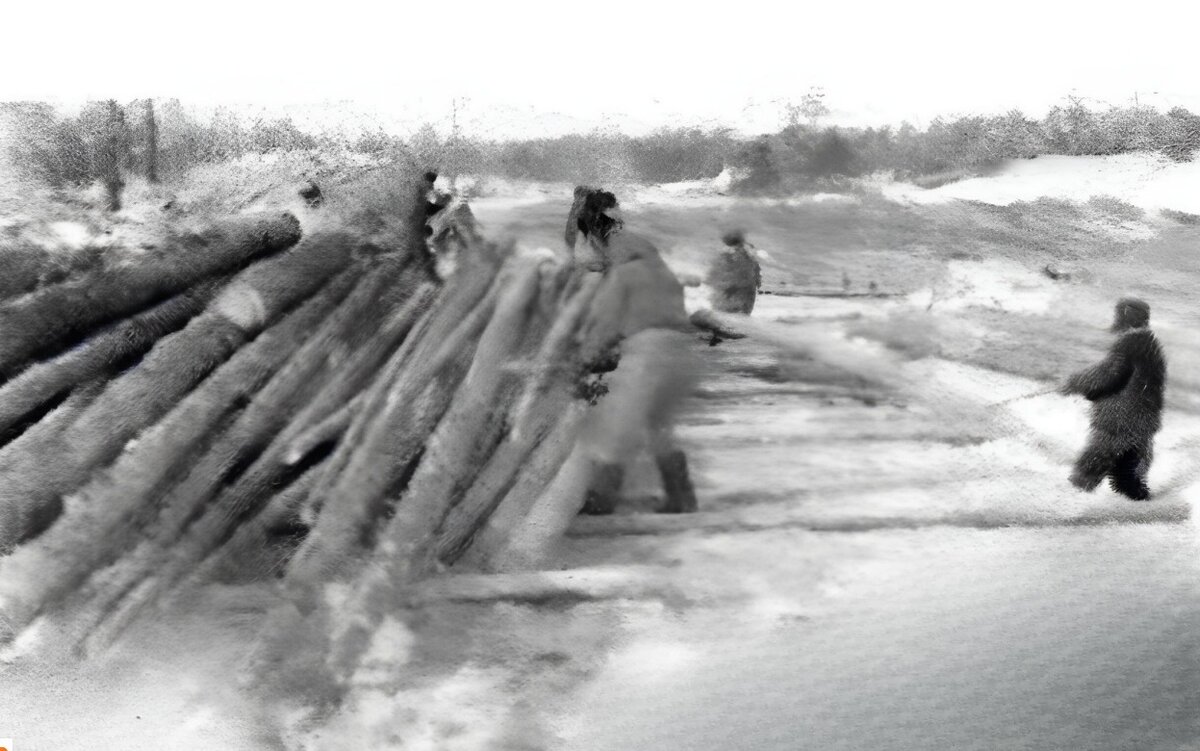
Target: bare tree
(111, 153)
(811, 108)
(151, 143)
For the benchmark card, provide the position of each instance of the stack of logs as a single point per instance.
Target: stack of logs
(250, 404)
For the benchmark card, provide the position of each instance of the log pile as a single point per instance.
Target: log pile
(250, 405)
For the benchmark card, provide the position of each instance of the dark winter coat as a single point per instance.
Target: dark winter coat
(1126, 389)
(734, 277)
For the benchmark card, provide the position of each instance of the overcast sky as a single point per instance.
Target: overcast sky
(528, 67)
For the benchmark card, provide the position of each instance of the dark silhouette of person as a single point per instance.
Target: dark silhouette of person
(734, 276)
(434, 199)
(571, 235)
(639, 311)
(311, 193)
(1126, 392)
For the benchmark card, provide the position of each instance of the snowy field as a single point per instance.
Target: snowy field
(888, 554)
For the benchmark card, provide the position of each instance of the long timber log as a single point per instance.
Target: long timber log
(142, 395)
(50, 318)
(105, 518)
(106, 352)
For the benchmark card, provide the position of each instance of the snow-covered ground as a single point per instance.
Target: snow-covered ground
(1149, 181)
(852, 580)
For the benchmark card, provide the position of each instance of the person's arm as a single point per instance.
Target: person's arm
(1103, 379)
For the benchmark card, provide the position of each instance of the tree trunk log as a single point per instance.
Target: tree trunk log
(49, 319)
(174, 367)
(100, 356)
(326, 431)
(104, 519)
(452, 455)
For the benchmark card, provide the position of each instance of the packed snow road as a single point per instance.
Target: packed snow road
(1055, 638)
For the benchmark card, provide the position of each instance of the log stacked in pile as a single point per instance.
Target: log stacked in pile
(308, 411)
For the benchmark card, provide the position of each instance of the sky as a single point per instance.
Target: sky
(530, 67)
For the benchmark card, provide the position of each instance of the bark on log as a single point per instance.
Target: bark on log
(192, 524)
(549, 515)
(246, 498)
(517, 470)
(451, 457)
(489, 535)
(547, 407)
(363, 367)
(100, 356)
(32, 455)
(104, 519)
(26, 267)
(306, 370)
(346, 384)
(326, 431)
(393, 423)
(556, 360)
(390, 445)
(463, 292)
(49, 319)
(248, 552)
(176, 365)
(465, 437)
(247, 440)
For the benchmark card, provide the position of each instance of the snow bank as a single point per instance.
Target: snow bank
(991, 283)
(1148, 181)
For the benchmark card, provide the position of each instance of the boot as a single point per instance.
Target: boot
(601, 498)
(681, 496)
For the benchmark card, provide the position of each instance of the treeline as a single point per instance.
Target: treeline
(800, 155)
(165, 139)
(109, 140)
(668, 155)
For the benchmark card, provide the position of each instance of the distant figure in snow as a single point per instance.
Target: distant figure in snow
(638, 327)
(1126, 391)
(450, 228)
(435, 200)
(734, 276)
(311, 193)
(572, 231)
(845, 282)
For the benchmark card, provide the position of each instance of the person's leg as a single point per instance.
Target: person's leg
(673, 467)
(613, 434)
(604, 488)
(1127, 476)
(677, 370)
(1094, 464)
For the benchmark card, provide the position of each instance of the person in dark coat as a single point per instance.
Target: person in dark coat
(638, 312)
(311, 193)
(435, 200)
(734, 276)
(1126, 392)
(571, 235)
